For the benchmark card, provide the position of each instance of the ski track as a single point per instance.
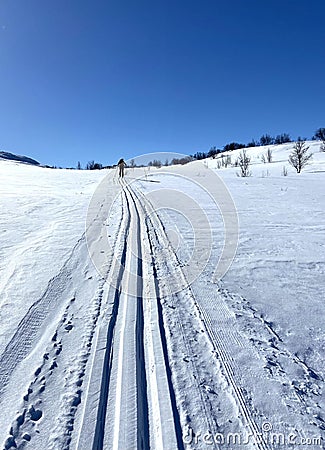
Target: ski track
(220, 323)
(23, 427)
(30, 414)
(304, 389)
(29, 327)
(128, 414)
(217, 338)
(163, 293)
(154, 417)
(135, 328)
(133, 406)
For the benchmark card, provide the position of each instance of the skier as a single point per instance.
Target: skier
(121, 165)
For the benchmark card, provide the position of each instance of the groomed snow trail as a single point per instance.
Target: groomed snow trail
(133, 355)
(133, 406)
(141, 395)
(176, 290)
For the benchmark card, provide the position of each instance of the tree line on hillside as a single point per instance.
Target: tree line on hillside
(264, 140)
(298, 159)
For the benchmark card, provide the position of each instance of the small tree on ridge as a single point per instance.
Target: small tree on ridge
(299, 158)
(243, 163)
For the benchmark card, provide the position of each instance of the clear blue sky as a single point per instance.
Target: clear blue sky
(95, 79)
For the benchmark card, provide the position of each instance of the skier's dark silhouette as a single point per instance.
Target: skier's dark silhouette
(121, 165)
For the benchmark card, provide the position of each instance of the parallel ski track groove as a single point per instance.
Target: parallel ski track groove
(216, 341)
(177, 422)
(141, 379)
(141, 385)
(181, 328)
(107, 366)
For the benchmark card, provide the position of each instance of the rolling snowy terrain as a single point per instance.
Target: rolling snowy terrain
(19, 158)
(180, 308)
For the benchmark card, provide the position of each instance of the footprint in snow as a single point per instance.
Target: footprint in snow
(68, 327)
(35, 414)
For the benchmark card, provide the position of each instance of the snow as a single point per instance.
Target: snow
(243, 352)
(44, 216)
(42, 224)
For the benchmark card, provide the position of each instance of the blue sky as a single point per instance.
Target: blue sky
(95, 79)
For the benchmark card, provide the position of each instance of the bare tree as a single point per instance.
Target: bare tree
(225, 160)
(244, 162)
(322, 147)
(284, 171)
(268, 157)
(299, 158)
(132, 164)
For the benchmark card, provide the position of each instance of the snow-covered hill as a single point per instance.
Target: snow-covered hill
(18, 158)
(243, 355)
(280, 155)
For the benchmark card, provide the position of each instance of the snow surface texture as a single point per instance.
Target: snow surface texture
(116, 331)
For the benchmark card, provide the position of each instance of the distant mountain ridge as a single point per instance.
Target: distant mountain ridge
(18, 158)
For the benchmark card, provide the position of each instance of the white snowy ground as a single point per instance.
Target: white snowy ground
(42, 217)
(268, 310)
(44, 262)
(245, 353)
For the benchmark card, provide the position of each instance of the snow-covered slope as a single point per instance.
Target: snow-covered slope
(241, 355)
(18, 158)
(266, 316)
(280, 154)
(41, 223)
